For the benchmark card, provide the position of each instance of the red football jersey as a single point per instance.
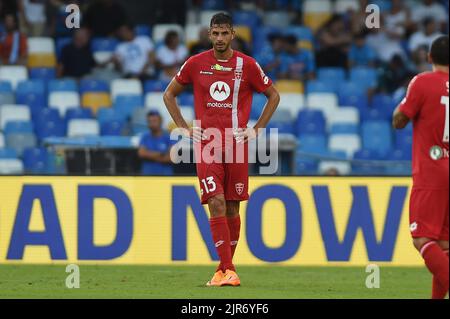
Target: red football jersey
(223, 89)
(426, 104)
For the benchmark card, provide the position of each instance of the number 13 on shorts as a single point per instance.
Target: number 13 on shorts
(208, 185)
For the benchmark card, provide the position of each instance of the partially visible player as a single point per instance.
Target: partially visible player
(426, 105)
(224, 81)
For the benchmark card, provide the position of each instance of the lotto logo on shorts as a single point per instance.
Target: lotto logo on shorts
(239, 188)
(413, 227)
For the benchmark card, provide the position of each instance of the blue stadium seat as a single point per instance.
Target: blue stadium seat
(258, 102)
(310, 122)
(32, 93)
(65, 85)
(78, 113)
(404, 138)
(125, 104)
(365, 76)
(248, 18)
(18, 127)
(107, 114)
(35, 160)
(318, 86)
(90, 85)
(155, 85)
(46, 114)
(344, 128)
(402, 164)
(331, 74)
(283, 127)
(352, 94)
(186, 99)
(112, 128)
(143, 30)
(300, 32)
(45, 74)
(364, 164)
(8, 153)
(377, 136)
(51, 128)
(385, 103)
(104, 44)
(305, 166)
(6, 87)
(372, 114)
(20, 141)
(313, 143)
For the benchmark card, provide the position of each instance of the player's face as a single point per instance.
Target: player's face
(221, 37)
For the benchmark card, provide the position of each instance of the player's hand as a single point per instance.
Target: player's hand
(245, 135)
(196, 134)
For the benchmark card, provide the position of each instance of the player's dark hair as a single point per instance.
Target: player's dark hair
(221, 18)
(439, 50)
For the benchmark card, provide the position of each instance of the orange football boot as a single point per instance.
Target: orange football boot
(230, 278)
(216, 279)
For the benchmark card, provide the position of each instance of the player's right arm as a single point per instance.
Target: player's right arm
(410, 105)
(170, 99)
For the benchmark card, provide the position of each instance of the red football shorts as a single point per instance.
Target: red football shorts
(428, 214)
(222, 177)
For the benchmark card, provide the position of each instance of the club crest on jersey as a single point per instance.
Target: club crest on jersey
(218, 67)
(238, 74)
(239, 188)
(436, 153)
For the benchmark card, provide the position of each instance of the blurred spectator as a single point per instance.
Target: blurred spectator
(334, 41)
(360, 53)
(420, 59)
(397, 19)
(76, 57)
(13, 43)
(154, 148)
(33, 17)
(171, 55)
(296, 64)
(135, 56)
(394, 75)
(104, 17)
(385, 45)
(358, 18)
(240, 45)
(430, 9)
(270, 57)
(203, 44)
(426, 36)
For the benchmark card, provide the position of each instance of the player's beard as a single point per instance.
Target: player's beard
(223, 50)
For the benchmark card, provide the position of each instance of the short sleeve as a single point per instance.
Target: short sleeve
(258, 79)
(411, 104)
(144, 141)
(184, 76)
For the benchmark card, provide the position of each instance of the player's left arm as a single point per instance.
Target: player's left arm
(399, 120)
(409, 108)
(273, 99)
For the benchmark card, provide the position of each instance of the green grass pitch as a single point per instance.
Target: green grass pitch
(187, 282)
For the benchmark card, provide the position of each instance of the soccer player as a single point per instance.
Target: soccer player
(426, 105)
(224, 81)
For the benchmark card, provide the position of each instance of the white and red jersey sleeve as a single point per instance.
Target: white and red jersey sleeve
(259, 81)
(184, 76)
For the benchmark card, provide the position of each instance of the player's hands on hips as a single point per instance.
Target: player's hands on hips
(243, 135)
(196, 134)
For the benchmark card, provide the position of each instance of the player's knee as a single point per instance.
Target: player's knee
(217, 206)
(232, 208)
(419, 242)
(443, 244)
